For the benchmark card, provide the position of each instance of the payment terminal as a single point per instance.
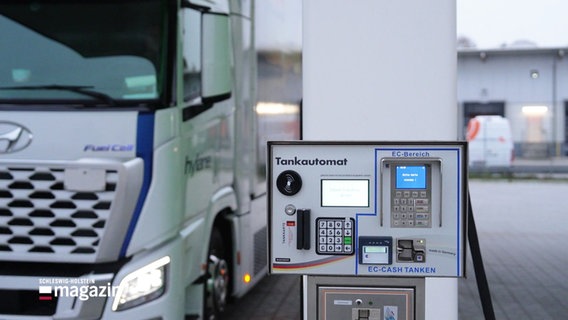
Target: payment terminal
(379, 209)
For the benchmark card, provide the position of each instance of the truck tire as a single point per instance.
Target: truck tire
(218, 277)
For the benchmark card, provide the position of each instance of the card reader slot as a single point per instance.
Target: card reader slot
(303, 229)
(300, 229)
(441, 179)
(307, 229)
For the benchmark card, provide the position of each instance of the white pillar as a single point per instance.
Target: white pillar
(379, 70)
(383, 70)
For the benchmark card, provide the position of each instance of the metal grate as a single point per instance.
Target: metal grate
(40, 219)
(260, 250)
(26, 303)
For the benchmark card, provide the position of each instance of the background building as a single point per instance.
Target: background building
(528, 86)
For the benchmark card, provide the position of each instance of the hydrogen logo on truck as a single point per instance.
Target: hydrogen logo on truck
(109, 148)
(14, 137)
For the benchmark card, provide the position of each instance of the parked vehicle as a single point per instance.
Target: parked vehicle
(132, 169)
(490, 142)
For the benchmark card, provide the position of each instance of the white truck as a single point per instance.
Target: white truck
(132, 165)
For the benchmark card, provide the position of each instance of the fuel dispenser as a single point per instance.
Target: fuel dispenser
(366, 222)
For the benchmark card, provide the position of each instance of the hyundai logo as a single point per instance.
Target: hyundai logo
(14, 137)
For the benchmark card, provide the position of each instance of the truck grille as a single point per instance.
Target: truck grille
(26, 303)
(42, 221)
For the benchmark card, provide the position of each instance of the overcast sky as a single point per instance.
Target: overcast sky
(490, 23)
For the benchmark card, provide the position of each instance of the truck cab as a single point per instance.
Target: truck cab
(132, 182)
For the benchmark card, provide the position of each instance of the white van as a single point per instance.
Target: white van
(490, 142)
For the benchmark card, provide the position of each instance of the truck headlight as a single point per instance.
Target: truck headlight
(143, 285)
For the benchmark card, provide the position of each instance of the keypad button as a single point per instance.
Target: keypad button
(323, 239)
(421, 208)
(348, 224)
(422, 216)
(347, 232)
(348, 248)
(421, 223)
(330, 224)
(322, 248)
(339, 224)
(338, 240)
(322, 224)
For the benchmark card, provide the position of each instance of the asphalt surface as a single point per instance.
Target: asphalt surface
(522, 225)
(551, 167)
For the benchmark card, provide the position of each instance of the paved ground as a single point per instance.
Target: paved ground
(276, 297)
(522, 227)
(544, 168)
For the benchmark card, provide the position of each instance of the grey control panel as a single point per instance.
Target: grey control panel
(360, 303)
(364, 208)
(364, 298)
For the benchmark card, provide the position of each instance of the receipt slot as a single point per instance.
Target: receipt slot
(380, 209)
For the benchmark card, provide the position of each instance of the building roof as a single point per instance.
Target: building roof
(466, 52)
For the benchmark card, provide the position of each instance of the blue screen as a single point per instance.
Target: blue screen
(411, 177)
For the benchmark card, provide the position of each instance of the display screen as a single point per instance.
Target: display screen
(411, 177)
(344, 193)
(375, 249)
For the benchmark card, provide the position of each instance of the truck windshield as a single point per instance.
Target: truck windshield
(95, 52)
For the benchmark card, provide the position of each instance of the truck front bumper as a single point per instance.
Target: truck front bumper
(94, 294)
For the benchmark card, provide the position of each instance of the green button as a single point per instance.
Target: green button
(347, 240)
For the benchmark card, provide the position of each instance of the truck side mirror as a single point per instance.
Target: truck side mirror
(216, 58)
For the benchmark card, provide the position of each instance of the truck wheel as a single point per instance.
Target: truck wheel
(217, 284)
